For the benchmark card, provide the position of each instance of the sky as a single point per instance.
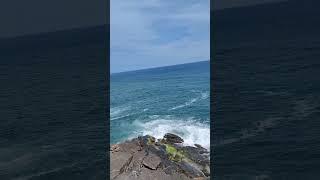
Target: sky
(19, 18)
(223, 4)
(25, 17)
(154, 33)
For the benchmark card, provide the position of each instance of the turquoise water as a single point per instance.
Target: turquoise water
(156, 101)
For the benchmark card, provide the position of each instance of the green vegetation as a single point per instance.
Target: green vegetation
(174, 154)
(151, 140)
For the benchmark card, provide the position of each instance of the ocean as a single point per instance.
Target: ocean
(265, 99)
(266, 92)
(53, 106)
(172, 99)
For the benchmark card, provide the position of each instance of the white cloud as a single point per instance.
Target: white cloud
(149, 33)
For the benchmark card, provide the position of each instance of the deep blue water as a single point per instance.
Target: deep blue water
(53, 106)
(160, 100)
(266, 92)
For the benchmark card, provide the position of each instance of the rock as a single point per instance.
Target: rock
(172, 138)
(196, 155)
(146, 158)
(136, 163)
(206, 170)
(119, 161)
(151, 161)
(199, 146)
(192, 170)
(131, 146)
(115, 148)
(201, 178)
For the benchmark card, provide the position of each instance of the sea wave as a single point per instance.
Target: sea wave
(120, 117)
(117, 112)
(258, 128)
(201, 96)
(114, 111)
(191, 130)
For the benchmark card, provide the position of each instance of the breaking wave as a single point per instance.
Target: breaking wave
(191, 130)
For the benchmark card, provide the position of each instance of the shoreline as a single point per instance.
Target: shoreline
(146, 157)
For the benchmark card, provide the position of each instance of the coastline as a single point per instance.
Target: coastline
(146, 157)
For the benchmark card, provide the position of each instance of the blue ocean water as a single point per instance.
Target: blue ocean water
(266, 95)
(160, 100)
(52, 106)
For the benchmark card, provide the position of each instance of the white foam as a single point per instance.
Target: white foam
(119, 117)
(202, 96)
(192, 131)
(116, 111)
(205, 95)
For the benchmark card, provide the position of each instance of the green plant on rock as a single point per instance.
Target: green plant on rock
(151, 140)
(174, 154)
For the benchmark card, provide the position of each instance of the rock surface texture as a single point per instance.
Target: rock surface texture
(145, 158)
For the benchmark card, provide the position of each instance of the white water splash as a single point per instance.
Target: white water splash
(192, 131)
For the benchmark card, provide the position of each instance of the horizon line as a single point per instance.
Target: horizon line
(156, 67)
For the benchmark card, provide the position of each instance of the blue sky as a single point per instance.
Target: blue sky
(154, 33)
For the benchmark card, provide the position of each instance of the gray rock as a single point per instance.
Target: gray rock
(115, 148)
(172, 138)
(146, 158)
(206, 170)
(119, 161)
(151, 161)
(191, 169)
(131, 146)
(136, 163)
(196, 155)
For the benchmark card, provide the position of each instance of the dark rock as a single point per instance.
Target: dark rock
(191, 169)
(169, 167)
(169, 170)
(151, 161)
(172, 138)
(201, 148)
(194, 154)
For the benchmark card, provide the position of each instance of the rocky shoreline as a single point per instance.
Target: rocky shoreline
(147, 158)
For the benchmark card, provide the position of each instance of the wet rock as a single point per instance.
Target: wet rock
(172, 138)
(200, 147)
